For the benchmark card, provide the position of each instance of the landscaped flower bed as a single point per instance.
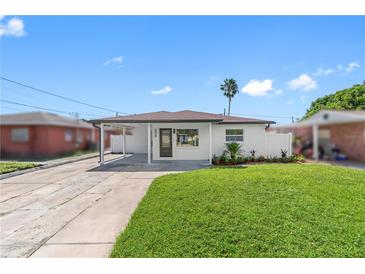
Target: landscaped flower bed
(232, 156)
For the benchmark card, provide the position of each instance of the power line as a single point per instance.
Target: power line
(42, 108)
(59, 96)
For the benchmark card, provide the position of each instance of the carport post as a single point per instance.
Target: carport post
(149, 143)
(123, 141)
(101, 144)
(210, 143)
(315, 141)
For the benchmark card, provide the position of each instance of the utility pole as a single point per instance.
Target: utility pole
(224, 112)
(292, 119)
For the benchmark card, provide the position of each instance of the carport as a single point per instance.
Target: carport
(327, 120)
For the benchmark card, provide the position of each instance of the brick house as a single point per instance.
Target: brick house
(40, 134)
(328, 129)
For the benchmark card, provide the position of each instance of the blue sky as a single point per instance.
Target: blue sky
(139, 64)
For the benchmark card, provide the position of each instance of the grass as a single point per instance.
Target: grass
(277, 210)
(49, 158)
(7, 167)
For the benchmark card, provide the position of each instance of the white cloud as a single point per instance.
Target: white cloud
(290, 102)
(350, 67)
(164, 90)
(320, 71)
(117, 60)
(258, 88)
(14, 27)
(304, 81)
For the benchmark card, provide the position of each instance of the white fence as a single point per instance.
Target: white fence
(133, 144)
(275, 142)
(116, 143)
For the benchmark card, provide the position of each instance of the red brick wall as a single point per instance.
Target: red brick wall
(45, 141)
(350, 138)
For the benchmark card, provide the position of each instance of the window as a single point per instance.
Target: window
(187, 137)
(79, 137)
(20, 135)
(234, 135)
(69, 135)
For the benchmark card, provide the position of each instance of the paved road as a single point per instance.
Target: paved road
(71, 210)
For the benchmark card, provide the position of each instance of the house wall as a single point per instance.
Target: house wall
(46, 141)
(255, 138)
(37, 142)
(182, 153)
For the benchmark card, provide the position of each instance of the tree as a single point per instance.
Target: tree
(348, 99)
(230, 89)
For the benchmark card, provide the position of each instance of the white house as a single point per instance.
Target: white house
(192, 135)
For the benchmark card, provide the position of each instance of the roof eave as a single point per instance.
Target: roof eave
(248, 122)
(115, 121)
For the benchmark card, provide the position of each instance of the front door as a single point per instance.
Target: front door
(165, 142)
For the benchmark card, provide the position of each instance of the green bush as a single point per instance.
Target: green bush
(233, 150)
(226, 158)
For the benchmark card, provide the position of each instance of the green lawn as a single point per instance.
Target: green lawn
(6, 167)
(275, 210)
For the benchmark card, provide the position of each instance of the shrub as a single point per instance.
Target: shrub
(297, 158)
(234, 150)
(261, 159)
(253, 154)
(240, 160)
(224, 158)
(284, 153)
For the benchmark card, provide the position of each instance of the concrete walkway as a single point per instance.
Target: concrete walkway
(72, 210)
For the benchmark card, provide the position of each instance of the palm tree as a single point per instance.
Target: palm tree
(230, 89)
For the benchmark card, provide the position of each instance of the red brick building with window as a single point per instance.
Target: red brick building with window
(42, 134)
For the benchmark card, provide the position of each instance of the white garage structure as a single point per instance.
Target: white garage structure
(192, 135)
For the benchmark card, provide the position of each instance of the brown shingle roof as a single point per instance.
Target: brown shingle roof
(180, 116)
(42, 118)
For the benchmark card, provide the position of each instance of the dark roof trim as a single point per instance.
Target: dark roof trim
(106, 121)
(114, 121)
(249, 122)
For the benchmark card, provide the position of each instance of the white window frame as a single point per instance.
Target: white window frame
(20, 135)
(188, 147)
(235, 135)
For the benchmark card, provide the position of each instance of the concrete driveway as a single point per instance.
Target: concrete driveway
(73, 210)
